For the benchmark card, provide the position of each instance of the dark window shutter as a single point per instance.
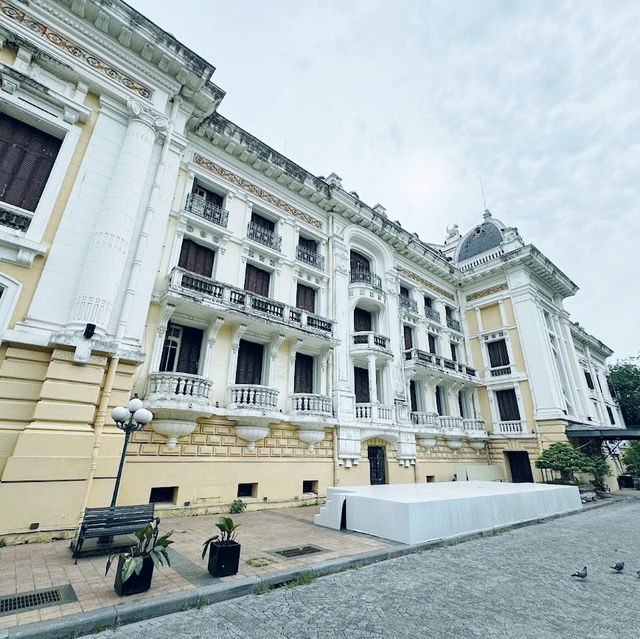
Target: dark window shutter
(439, 400)
(209, 196)
(611, 417)
(249, 367)
(428, 302)
(589, 379)
(303, 376)
(498, 354)
(508, 405)
(404, 291)
(361, 385)
(454, 351)
(361, 320)
(310, 245)
(195, 258)
(256, 280)
(189, 355)
(413, 396)
(408, 337)
(359, 262)
(461, 404)
(26, 159)
(263, 222)
(432, 343)
(306, 298)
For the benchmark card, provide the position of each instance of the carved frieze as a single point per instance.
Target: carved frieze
(424, 282)
(487, 291)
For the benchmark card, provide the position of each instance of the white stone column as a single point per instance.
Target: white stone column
(373, 384)
(161, 332)
(210, 341)
(109, 246)
(294, 345)
(236, 335)
(324, 364)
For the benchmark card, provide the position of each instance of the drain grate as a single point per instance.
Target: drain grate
(37, 599)
(298, 551)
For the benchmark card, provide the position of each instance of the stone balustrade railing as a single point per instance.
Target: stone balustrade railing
(510, 428)
(451, 422)
(437, 362)
(311, 404)
(374, 412)
(14, 217)
(252, 396)
(178, 384)
(371, 339)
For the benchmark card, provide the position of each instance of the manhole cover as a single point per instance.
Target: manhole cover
(298, 551)
(36, 599)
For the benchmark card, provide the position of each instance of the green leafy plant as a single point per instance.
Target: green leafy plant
(631, 458)
(149, 545)
(237, 506)
(599, 469)
(225, 537)
(3, 542)
(624, 382)
(565, 459)
(259, 562)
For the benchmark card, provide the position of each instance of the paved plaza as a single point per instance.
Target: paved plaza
(513, 584)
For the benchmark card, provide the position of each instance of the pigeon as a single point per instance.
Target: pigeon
(618, 566)
(581, 573)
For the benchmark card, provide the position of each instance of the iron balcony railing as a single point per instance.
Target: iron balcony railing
(14, 217)
(407, 302)
(365, 277)
(310, 257)
(186, 283)
(453, 323)
(264, 236)
(199, 206)
(431, 314)
(431, 360)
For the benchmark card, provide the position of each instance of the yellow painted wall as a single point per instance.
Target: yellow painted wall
(490, 317)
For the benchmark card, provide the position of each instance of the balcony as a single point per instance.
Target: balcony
(310, 404)
(429, 421)
(408, 303)
(431, 314)
(374, 412)
(451, 422)
(312, 413)
(454, 324)
(197, 205)
(186, 283)
(252, 396)
(474, 426)
(510, 428)
(310, 257)
(500, 371)
(436, 363)
(14, 217)
(370, 340)
(359, 276)
(264, 236)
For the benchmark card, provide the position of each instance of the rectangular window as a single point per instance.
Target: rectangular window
(612, 419)
(448, 311)
(454, 351)
(439, 404)
(306, 298)
(508, 405)
(361, 385)
(428, 302)
(310, 486)
(207, 195)
(257, 280)
(589, 379)
(163, 494)
(303, 375)
(181, 350)
(247, 490)
(249, 367)
(263, 222)
(195, 258)
(432, 343)
(413, 396)
(359, 262)
(498, 354)
(362, 320)
(27, 156)
(408, 337)
(461, 404)
(308, 244)
(404, 291)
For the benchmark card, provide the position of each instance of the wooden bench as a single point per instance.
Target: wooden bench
(107, 522)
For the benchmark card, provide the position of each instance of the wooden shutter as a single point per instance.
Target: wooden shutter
(413, 396)
(303, 376)
(508, 405)
(404, 291)
(428, 302)
(26, 159)
(439, 400)
(249, 368)
(197, 259)
(310, 245)
(461, 404)
(256, 280)
(189, 355)
(498, 354)
(359, 262)
(263, 222)
(408, 337)
(589, 379)
(361, 385)
(306, 298)
(432, 343)
(454, 351)
(361, 320)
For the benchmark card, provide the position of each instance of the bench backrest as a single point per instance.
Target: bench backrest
(118, 516)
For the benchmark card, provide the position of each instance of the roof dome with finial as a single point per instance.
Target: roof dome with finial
(482, 238)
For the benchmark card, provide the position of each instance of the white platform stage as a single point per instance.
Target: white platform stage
(412, 513)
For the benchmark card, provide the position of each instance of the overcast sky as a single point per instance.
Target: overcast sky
(409, 102)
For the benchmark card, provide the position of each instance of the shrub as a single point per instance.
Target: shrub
(565, 459)
(237, 506)
(631, 458)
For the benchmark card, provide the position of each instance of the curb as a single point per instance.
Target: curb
(84, 623)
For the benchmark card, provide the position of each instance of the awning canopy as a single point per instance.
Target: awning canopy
(581, 430)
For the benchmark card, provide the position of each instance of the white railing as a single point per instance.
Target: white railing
(425, 419)
(500, 370)
(178, 384)
(474, 425)
(374, 411)
(510, 427)
(252, 396)
(481, 260)
(14, 217)
(451, 422)
(371, 339)
(309, 403)
(437, 362)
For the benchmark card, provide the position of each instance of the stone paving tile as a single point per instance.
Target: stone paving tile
(514, 584)
(35, 566)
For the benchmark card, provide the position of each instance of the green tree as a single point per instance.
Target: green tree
(565, 459)
(631, 458)
(624, 382)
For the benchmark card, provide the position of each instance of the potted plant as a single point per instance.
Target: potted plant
(135, 568)
(224, 550)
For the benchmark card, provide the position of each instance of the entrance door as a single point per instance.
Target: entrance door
(377, 474)
(520, 466)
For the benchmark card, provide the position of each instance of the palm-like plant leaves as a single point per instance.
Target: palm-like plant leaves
(227, 534)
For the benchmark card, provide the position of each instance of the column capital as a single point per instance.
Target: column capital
(150, 117)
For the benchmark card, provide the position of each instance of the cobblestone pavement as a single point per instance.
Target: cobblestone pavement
(514, 584)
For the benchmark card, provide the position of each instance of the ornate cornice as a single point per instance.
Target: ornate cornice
(76, 51)
(256, 190)
(487, 291)
(424, 282)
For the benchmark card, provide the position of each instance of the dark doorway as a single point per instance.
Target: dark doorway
(361, 385)
(377, 474)
(520, 466)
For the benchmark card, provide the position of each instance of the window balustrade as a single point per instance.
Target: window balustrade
(209, 211)
(309, 256)
(264, 236)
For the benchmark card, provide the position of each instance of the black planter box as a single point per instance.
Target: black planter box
(224, 559)
(135, 583)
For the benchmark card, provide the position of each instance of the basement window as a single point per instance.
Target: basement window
(247, 490)
(163, 495)
(310, 486)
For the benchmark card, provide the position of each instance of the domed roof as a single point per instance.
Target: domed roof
(482, 238)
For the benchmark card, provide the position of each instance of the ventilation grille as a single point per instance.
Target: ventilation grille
(36, 599)
(298, 551)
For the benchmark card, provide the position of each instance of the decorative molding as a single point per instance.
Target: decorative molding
(427, 283)
(256, 190)
(487, 291)
(77, 52)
